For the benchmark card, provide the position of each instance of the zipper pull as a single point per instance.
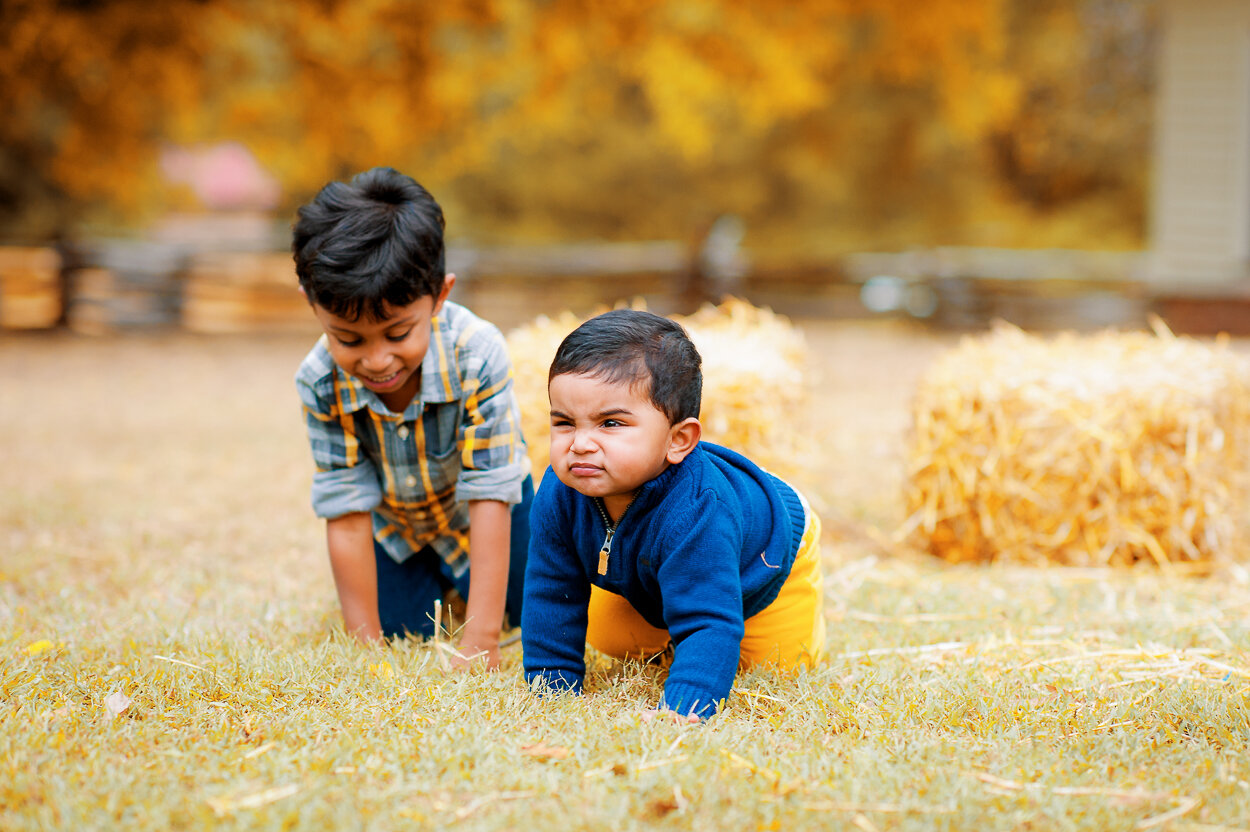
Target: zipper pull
(605, 551)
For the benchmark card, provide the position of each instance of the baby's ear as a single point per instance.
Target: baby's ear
(682, 439)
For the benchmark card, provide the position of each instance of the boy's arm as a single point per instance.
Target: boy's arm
(345, 489)
(350, 541)
(490, 531)
(493, 466)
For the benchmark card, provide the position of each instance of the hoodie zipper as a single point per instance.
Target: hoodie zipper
(606, 549)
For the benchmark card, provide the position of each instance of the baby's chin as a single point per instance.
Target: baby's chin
(582, 486)
(575, 483)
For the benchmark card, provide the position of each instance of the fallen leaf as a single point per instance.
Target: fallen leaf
(35, 648)
(545, 752)
(116, 703)
(661, 807)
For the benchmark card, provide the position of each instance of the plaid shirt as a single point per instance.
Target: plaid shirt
(459, 440)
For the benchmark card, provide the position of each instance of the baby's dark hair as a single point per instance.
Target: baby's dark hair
(368, 244)
(638, 348)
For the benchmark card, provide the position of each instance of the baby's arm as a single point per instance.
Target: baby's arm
(557, 592)
(702, 588)
(350, 541)
(490, 531)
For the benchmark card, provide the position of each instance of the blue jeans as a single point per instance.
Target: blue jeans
(407, 591)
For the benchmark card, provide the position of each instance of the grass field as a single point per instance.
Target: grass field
(170, 655)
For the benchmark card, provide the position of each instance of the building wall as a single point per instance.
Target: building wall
(1201, 219)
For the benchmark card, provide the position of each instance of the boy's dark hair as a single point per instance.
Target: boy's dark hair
(370, 243)
(638, 348)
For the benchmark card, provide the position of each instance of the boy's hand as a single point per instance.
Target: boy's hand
(476, 650)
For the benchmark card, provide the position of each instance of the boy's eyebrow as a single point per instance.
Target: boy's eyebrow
(410, 319)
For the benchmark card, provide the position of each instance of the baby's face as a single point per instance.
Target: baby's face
(607, 439)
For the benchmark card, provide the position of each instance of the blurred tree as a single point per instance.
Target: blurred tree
(558, 119)
(86, 89)
(1084, 116)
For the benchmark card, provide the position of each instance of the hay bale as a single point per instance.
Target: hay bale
(1099, 450)
(753, 384)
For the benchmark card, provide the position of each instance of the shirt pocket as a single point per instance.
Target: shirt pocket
(442, 446)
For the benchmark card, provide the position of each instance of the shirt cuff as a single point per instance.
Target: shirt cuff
(503, 483)
(341, 491)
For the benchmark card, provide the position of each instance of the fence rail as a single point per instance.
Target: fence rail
(110, 285)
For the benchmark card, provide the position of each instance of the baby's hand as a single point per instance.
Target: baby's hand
(665, 713)
(476, 651)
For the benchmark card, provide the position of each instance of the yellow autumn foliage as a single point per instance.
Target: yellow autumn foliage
(944, 122)
(316, 88)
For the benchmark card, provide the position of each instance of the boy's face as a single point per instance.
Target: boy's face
(386, 354)
(608, 439)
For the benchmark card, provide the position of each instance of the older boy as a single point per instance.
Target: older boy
(421, 474)
(646, 536)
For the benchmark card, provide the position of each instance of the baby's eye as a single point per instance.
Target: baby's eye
(612, 423)
(399, 336)
(347, 343)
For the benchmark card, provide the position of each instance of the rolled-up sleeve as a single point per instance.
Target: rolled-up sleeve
(345, 490)
(346, 481)
(492, 451)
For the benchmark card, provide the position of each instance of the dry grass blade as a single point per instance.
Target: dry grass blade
(1187, 806)
(1070, 791)
(485, 800)
(885, 808)
(256, 800)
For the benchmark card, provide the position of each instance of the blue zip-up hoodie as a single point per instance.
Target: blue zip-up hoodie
(704, 546)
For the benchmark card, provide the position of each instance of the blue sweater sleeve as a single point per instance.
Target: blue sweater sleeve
(702, 591)
(557, 592)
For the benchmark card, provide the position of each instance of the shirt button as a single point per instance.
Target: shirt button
(411, 482)
(403, 431)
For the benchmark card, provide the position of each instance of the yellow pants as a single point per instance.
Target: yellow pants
(788, 632)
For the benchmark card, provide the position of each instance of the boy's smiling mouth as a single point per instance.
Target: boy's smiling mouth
(384, 381)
